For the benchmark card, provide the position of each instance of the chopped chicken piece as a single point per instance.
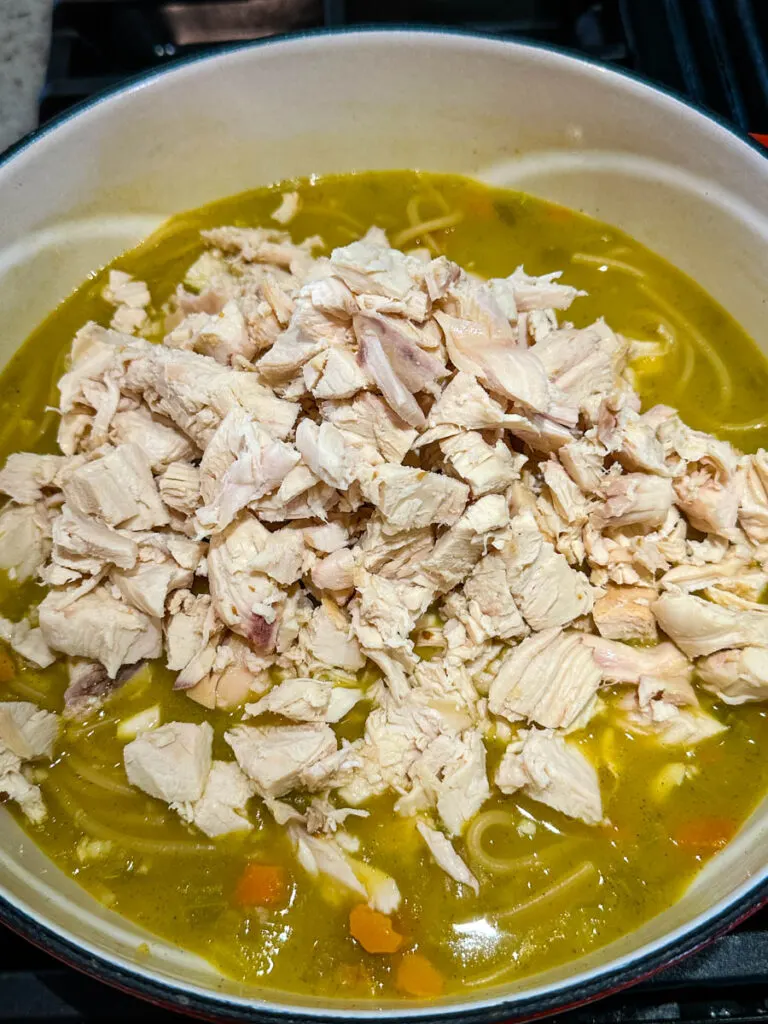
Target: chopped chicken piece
(737, 676)
(190, 625)
(221, 808)
(124, 290)
(15, 785)
(327, 538)
(395, 556)
(329, 639)
(567, 498)
(753, 508)
(410, 498)
(307, 700)
(620, 663)
(585, 365)
(335, 373)
(488, 469)
(463, 405)
(370, 267)
(553, 772)
(367, 421)
(26, 476)
(699, 627)
(241, 464)
(117, 488)
(27, 731)
(179, 487)
(27, 641)
(624, 613)
(663, 717)
(25, 540)
(336, 572)
(196, 393)
(397, 364)
(460, 548)
(634, 499)
(147, 585)
(451, 773)
(99, 627)
(172, 762)
(710, 505)
(161, 441)
(327, 857)
(385, 611)
(551, 678)
(547, 591)
(487, 608)
(584, 461)
(327, 453)
(243, 562)
(280, 758)
(223, 335)
(89, 686)
(87, 546)
(502, 367)
(446, 857)
(540, 292)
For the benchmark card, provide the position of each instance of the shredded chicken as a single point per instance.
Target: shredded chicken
(369, 488)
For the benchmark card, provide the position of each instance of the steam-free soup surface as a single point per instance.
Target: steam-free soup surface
(540, 902)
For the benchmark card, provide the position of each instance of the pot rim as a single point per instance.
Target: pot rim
(138, 980)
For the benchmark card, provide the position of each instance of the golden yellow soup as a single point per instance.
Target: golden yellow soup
(536, 908)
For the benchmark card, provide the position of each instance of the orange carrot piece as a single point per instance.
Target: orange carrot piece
(262, 885)
(416, 976)
(373, 930)
(706, 833)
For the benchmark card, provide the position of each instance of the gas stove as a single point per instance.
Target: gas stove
(713, 52)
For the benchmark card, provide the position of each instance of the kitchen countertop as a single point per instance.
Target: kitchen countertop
(24, 38)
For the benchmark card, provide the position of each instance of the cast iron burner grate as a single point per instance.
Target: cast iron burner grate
(713, 51)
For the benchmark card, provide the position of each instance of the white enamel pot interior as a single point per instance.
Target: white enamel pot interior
(100, 179)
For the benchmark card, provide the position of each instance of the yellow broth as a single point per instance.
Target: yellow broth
(179, 884)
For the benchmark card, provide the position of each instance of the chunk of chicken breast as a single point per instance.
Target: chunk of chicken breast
(553, 772)
(737, 676)
(700, 627)
(550, 678)
(280, 758)
(172, 762)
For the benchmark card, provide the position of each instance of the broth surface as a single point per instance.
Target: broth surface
(178, 884)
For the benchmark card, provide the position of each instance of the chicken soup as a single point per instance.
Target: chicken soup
(382, 597)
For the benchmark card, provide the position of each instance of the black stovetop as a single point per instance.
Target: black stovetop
(715, 52)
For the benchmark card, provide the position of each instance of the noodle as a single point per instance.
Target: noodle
(30, 692)
(479, 856)
(136, 844)
(96, 778)
(574, 880)
(758, 423)
(589, 260)
(425, 227)
(700, 342)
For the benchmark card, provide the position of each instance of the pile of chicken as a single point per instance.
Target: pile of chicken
(336, 462)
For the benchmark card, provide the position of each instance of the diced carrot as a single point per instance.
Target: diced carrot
(7, 669)
(416, 976)
(706, 833)
(262, 885)
(373, 930)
